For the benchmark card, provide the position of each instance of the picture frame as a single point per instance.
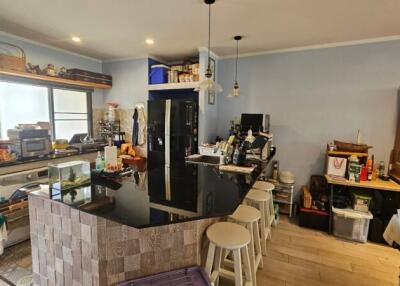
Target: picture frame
(212, 67)
(211, 97)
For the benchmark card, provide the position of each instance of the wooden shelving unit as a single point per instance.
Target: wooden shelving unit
(169, 86)
(50, 79)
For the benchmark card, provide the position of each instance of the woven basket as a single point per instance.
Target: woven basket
(12, 62)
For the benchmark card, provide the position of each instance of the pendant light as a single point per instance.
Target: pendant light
(235, 92)
(208, 84)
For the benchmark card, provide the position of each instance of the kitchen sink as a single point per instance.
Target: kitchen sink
(202, 159)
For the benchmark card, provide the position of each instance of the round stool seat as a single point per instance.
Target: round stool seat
(246, 214)
(258, 195)
(266, 186)
(228, 235)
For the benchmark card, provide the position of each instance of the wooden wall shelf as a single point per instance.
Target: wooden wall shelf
(54, 80)
(343, 153)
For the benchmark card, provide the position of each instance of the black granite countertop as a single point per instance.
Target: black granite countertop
(146, 199)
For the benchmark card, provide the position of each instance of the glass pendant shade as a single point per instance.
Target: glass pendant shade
(235, 92)
(209, 85)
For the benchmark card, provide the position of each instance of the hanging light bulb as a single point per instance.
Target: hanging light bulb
(235, 92)
(208, 84)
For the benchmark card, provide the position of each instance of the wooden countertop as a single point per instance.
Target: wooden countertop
(377, 184)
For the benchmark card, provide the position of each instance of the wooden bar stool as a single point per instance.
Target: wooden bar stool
(250, 218)
(228, 236)
(268, 187)
(260, 200)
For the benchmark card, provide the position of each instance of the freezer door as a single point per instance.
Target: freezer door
(183, 130)
(156, 133)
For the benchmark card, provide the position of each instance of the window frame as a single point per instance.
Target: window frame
(50, 97)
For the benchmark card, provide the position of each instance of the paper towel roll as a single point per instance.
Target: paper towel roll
(110, 155)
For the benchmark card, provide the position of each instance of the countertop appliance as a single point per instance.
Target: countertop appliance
(13, 201)
(29, 143)
(257, 122)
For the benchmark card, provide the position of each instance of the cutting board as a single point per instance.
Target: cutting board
(237, 169)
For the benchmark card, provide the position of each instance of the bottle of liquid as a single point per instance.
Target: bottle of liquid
(381, 169)
(370, 164)
(99, 162)
(275, 170)
(235, 159)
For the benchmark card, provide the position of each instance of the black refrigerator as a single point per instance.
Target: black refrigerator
(172, 131)
(172, 135)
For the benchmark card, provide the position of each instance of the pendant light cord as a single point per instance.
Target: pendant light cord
(209, 34)
(237, 58)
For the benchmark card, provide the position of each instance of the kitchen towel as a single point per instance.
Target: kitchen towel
(141, 126)
(3, 233)
(135, 129)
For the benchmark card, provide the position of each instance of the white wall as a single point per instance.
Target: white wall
(316, 96)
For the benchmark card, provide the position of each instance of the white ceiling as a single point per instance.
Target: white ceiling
(117, 29)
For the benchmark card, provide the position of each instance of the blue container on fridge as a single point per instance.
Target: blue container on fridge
(158, 74)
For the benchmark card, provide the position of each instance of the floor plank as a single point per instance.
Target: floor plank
(300, 256)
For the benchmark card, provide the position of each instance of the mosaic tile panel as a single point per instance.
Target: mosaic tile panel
(70, 247)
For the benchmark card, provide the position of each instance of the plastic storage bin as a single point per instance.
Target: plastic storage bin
(159, 74)
(69, 175)
(192, 276)
(351, 224)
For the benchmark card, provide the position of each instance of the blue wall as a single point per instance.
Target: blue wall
(37, 54)
(130, 80)
(317, 96)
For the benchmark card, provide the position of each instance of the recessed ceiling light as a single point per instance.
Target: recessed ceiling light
(76, 39)
(149, 41)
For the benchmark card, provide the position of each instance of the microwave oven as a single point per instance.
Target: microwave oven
(32, 147)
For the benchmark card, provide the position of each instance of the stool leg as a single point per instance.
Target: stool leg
(263, 229)
(246, 265)
(267, 219)
(257, 243)
(272, 210)
(238, 267)
(210, 259)
(251, 253)
(217, 265)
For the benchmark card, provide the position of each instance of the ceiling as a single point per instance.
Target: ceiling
(118, 29)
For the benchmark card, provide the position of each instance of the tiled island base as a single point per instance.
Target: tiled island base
(71, 247)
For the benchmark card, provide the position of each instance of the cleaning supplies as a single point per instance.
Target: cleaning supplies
(99, 162)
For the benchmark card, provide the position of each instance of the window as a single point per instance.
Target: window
(68, 111)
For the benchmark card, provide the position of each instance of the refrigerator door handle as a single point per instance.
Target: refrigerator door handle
(167, 131)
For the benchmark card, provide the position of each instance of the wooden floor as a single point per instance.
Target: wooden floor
(300, 256)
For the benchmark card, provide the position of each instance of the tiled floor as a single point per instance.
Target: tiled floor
(15, 263)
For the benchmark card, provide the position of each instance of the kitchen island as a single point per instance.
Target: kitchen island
(119, 229)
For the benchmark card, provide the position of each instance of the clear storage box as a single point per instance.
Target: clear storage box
(351, 224)
(69, 175)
